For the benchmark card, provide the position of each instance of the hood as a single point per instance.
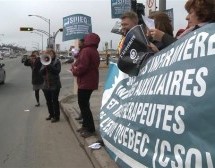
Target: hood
(91, 39)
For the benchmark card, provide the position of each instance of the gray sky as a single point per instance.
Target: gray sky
(14, 14)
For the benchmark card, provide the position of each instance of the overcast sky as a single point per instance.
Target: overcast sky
(14, 14)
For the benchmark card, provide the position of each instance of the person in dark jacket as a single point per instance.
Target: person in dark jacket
(37, 79)
(162, 23)
(52, 85)
(86, 69)
(200, 13)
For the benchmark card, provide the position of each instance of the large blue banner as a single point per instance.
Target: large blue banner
(76, 26)
(164, 116)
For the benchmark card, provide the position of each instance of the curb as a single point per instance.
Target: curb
(100, 157)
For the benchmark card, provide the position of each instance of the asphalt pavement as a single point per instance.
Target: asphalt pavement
(69, 106)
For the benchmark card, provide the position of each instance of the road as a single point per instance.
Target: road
(27, 140)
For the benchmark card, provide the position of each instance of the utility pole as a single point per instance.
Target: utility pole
(162, 5)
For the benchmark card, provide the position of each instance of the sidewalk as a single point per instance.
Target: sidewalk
(69, 106)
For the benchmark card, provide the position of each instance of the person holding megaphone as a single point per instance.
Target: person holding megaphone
(37, 80)
(50, 70)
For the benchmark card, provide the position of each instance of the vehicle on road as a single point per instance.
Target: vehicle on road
(2, 74)
(66, 59)
(102, 59)
(6, 51)
(62, 57)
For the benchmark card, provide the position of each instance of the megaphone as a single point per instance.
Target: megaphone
(45, 59)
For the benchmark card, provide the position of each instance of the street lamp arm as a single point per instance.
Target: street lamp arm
(41, 35)
(38, 33)
(44, 32)
(41, 17)
(48, 21)
(54, 36)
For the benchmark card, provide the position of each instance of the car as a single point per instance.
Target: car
(102, 59)
(68, 60)
(62, 57)
(2, 74)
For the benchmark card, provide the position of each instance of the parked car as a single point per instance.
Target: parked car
(2, 74)
(68, 60)
(62, 57)
(24, 57)
(102, 59)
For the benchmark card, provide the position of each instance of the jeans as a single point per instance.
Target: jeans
(84, 105)
(37, 95)
(52, 102)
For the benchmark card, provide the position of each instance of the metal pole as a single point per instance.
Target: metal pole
(41, 36)
(162, 5)
(42, 42)
(49, 22)
(49, 33)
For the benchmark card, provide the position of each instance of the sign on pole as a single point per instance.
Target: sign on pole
(119, 7)
(76, 26)
(150, 6)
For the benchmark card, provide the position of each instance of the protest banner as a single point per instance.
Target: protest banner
(118, 7)
(164, 116)
(76, 26)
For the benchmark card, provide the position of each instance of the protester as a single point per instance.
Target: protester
(80, 46)
(52, 85)
(163, 23)
(200, 13)
(37, 79)
(134, 48)
(87, 73)
(128, 21)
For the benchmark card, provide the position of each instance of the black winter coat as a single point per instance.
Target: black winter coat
(37, 78)
(51, 75)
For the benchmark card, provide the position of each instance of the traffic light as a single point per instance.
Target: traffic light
(26, 29)
(61, 29)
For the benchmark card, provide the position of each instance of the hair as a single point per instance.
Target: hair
(51, 51)
(81, 40)
(162, 22)
(131, 15)
(35, 52)
(204, 9)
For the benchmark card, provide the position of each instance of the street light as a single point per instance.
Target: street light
(46, 20)
(41, 36)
